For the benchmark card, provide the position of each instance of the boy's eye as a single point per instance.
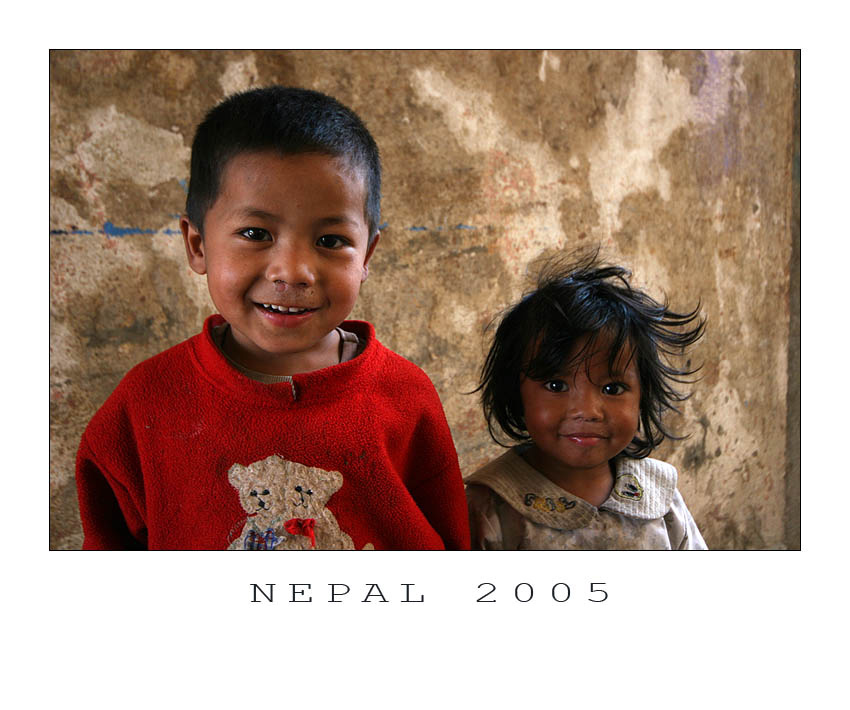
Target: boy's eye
(613, 388)
(255, 234)
(555, 386)
(331, 241)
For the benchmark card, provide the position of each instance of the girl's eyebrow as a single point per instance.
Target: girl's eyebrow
(564, 373)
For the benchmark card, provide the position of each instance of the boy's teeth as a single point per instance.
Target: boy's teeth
(283, 309)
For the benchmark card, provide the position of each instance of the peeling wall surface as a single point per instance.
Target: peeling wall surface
(680, 164)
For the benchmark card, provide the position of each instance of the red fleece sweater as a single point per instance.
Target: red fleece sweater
(188, 453)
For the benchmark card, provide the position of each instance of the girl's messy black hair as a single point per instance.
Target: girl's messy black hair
(587, 298)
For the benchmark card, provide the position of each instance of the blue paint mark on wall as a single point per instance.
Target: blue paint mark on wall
(112, 231)
(184, 185)
(71, 231)
(439, 229)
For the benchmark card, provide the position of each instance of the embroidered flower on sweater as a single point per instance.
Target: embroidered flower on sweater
(628, 487)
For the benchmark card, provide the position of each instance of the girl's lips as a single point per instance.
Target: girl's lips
(584, 439)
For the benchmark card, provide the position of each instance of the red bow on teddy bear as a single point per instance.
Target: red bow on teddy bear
(301, 526)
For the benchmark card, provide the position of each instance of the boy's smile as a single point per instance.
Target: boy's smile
(285, 249)
(581, 420)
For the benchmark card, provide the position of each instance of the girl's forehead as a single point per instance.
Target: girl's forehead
(597, 352)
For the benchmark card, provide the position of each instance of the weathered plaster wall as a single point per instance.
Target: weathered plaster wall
(678, 163)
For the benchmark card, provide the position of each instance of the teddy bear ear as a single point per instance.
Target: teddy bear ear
(236, 475)
(330, 481)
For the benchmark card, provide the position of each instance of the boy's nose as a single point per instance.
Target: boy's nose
(291, 264)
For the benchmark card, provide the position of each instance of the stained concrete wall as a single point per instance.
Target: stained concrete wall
(681, 164)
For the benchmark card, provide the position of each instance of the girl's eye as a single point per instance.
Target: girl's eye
(331, 241)
(555, 386)
(614, 388)
(255, 235)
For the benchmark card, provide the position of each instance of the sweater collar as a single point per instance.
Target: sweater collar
(305, 388)
(643, 489)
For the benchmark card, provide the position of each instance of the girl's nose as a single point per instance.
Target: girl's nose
(585, 403)
(290, 264)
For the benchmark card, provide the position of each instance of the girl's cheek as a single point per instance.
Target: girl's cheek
(546, 415)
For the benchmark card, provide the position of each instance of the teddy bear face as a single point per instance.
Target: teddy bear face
(260, 497)
(274, 488)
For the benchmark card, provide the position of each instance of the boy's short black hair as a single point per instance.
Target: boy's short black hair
(289, 121)
(587, 298)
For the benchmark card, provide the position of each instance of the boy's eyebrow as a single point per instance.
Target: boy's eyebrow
(253, 212)
(330, 221)
(259, 213)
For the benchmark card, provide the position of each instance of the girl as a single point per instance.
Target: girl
(577, 374)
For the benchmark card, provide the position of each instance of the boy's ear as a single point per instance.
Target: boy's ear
(194, 243)
(369, 252)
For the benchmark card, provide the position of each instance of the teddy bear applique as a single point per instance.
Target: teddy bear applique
(286, 508)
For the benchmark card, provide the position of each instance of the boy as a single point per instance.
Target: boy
(281, 425)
